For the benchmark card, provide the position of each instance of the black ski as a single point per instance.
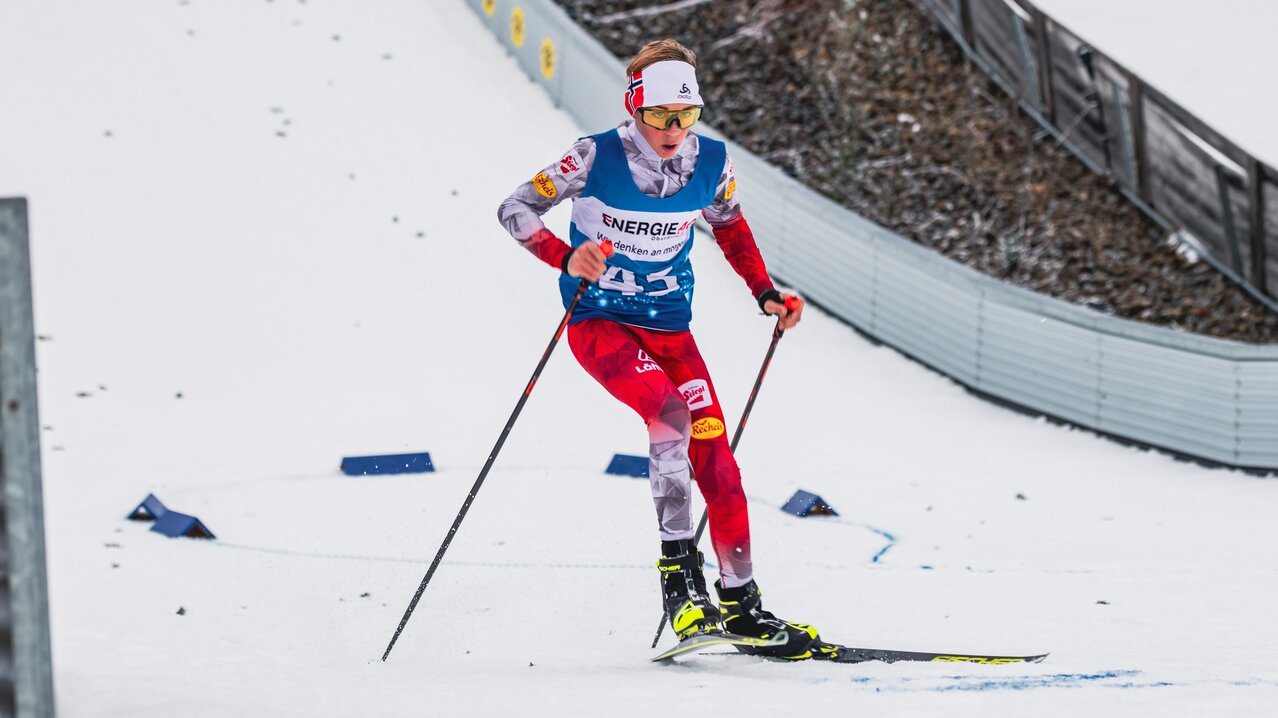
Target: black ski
(846, 654)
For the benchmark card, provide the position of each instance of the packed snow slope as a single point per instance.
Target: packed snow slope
(264, 238)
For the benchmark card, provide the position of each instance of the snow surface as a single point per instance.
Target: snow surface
(285, 213)
(1216, 59)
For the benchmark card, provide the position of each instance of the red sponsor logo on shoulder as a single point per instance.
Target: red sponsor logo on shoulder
(568, 165)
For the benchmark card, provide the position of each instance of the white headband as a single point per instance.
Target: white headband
(670, 82)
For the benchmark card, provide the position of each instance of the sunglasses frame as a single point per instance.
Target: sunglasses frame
(672, 119)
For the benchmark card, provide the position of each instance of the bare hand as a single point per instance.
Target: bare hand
(789, 310)
(586, 261)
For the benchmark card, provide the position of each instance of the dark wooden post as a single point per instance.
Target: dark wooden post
(1256, 177)
(1136, 107)
(1087, 55)
(965, 23)
(1227, 217)
(1045, 65)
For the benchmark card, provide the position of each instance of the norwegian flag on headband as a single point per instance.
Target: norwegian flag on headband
(634, 93)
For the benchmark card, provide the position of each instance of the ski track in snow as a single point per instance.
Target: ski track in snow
(1115, 679)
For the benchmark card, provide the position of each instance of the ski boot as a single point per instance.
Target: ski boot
(683, 589)
(742, 613)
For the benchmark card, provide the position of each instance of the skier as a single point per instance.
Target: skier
(640, 186)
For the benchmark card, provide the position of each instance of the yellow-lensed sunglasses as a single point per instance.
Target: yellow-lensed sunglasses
(662, 119)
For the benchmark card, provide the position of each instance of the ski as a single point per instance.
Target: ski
(837, 653)
(706, 640)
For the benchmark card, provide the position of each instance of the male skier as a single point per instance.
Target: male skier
(640, 186)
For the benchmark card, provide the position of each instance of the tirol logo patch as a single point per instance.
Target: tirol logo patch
(696, 393)
(707, 428)
(545, 186)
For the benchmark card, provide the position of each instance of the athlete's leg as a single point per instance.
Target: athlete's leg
(719, 478)
(612, 353)
(713, 466)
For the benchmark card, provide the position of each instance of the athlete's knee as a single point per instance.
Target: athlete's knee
(673, 421)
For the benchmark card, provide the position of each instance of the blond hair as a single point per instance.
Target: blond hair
(660, 51)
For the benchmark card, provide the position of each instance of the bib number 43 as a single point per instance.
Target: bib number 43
(621, 280)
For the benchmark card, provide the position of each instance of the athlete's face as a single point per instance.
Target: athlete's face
(665, 142)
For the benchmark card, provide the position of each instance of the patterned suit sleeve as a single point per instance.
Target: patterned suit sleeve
(733, 235)
(520, 213)
(726, 209)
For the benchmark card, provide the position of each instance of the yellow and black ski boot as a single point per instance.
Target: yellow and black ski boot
(742, 612)
(683, 590)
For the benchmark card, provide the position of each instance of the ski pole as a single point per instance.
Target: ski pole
(791, 303)
(448, 538)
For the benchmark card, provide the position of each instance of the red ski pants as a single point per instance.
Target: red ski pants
(662, 376)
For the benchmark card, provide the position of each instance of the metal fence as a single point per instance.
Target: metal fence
(1178, 169)
(26, 674)
(1196, 396)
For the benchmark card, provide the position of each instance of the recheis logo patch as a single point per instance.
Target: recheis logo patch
(707, 428)
(545, 186)
(732, 187)
(696, 393)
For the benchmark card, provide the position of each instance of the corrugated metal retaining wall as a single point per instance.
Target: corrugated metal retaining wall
(1197, 396)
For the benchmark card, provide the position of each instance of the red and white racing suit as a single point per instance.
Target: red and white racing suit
(659, 374)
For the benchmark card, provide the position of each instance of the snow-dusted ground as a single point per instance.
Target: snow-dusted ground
(285, 212)
(1215, 58)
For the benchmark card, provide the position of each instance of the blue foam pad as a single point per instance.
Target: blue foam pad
(149, 510)
(804, 503)
(388, 464)
(623, 465)
(174, 524)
